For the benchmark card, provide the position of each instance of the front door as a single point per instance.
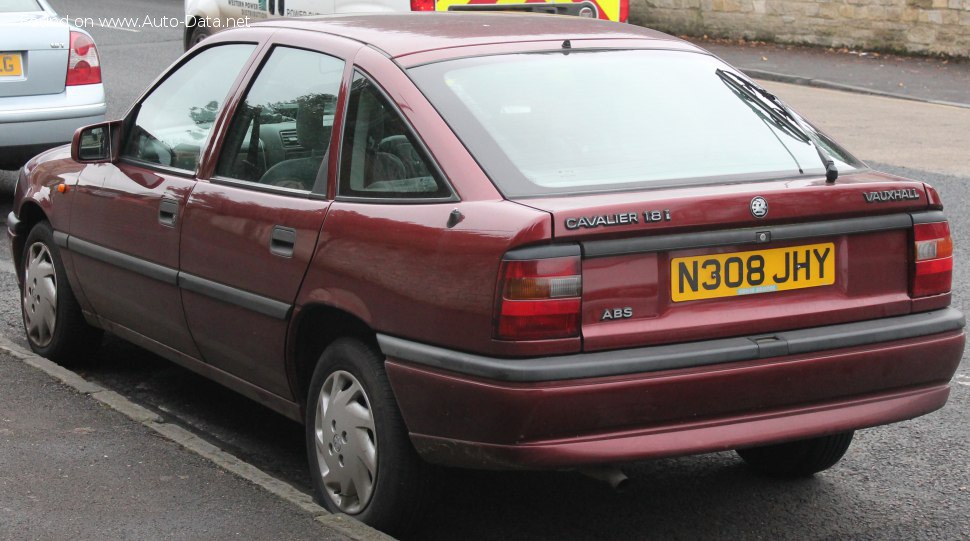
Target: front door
(127, 217)
(249, 233)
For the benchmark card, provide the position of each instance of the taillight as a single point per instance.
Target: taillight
(83, 66)
(539, 299)
(933, 255)
(422, 5)
(624, 10)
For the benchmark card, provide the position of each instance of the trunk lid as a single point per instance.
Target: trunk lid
(34, 49)
(676, 265)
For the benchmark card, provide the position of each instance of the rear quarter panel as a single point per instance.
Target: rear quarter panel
(401, 270)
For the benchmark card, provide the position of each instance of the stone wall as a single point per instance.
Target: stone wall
(914, 26)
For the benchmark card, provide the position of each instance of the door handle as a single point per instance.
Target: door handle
(282, 241)
(168, 211)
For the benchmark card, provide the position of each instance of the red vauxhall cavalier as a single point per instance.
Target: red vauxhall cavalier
(494, 241)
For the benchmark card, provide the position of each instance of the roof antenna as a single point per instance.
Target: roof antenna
(567, 45)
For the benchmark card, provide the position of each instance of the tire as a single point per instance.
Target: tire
(53, 322)
(361, 459)
(198, 35)
(802, 458)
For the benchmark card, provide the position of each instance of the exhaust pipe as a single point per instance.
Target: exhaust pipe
(611, 476)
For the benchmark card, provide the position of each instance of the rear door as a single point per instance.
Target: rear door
(250, 229)
(127, 217)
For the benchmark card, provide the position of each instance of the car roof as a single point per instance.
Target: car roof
(402, 34)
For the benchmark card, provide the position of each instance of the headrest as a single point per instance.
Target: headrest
(310, 131)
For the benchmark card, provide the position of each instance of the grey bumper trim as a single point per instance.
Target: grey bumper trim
(674, 356)
(53, 113)
(14, 223)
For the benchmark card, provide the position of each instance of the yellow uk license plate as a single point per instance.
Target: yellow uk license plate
(10, 65)
(747, 273)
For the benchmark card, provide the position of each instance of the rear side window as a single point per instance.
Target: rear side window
(288, 112)
(381, 158)
(172, 124)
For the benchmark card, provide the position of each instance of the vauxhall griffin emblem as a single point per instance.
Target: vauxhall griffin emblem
(759, 207)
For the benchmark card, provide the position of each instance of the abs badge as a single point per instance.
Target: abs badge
(759, 207)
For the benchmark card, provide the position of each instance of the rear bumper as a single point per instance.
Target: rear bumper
(711, 398)
(31, 124)
(15, 238)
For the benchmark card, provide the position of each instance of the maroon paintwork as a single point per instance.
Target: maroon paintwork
(399, 270)
(604, 420)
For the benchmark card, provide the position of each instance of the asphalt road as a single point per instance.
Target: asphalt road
(906, 481)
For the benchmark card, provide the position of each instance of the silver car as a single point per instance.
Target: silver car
(50, 81)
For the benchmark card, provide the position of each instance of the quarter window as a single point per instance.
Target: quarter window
(380, 156)
(172, 124)
(289, 113)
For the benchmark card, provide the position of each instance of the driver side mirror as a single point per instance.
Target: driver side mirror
(98, 143)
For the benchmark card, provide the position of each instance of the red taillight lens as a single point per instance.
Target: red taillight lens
(422, 5)
(540, 299)
(933, 255)
(83, 66)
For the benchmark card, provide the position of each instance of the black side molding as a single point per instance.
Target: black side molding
(674, 356)
(232, 295)
(134, 264)
(250, 301)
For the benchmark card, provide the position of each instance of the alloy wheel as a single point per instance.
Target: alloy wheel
(345, 438)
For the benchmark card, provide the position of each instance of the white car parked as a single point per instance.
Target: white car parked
(50, 81)
(206, 17)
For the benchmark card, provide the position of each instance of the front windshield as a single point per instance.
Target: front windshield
(581, 122)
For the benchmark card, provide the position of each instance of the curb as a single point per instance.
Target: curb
(344, 524)
(755, 73)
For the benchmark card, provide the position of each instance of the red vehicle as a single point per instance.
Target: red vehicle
(494, 241)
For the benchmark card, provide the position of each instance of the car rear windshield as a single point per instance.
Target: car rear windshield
(595, 121)
(14, 6)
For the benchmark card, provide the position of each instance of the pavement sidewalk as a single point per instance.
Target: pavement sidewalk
(95, 467)
(929, 79)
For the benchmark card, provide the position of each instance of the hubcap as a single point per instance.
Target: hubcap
(346, 442)
(40, 295)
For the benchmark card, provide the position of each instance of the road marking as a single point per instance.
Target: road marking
(344, 524)
(117, 28)
(962, 379)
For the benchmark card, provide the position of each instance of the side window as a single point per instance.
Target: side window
(380, 157)
(281, 131)
(172, 123)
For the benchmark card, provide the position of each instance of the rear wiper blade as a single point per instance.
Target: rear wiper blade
(781, 113)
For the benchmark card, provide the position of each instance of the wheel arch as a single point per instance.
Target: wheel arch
(315, 327)
(30, 215)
